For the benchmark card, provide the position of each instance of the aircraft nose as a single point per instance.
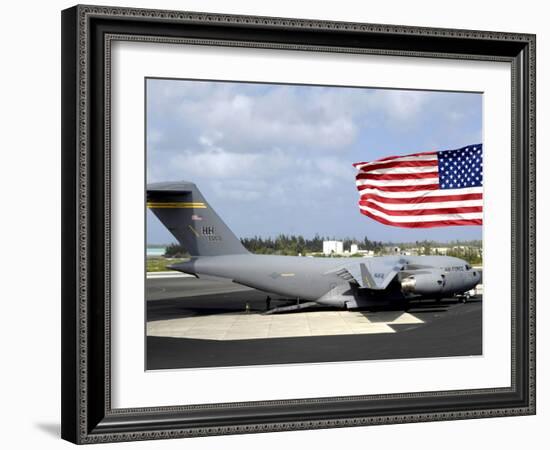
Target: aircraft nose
(477, 275)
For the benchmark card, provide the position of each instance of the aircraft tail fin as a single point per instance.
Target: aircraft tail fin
(182, 209)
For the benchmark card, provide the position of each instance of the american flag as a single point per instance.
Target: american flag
(422, 190)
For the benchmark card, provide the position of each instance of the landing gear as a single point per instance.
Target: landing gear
(464, 297)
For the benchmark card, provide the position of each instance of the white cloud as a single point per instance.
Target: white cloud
(245, 119)
(401, 105)
(215, 163)
(239, 190)
(333, 168)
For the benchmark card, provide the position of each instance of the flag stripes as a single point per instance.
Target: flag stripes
(405, 192)
(425, 223)
(422, 205)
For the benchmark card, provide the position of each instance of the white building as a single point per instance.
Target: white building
(354, 249)
(333, 247)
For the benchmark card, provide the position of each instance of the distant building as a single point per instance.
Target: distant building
(354, 248)
(392, 250)
(333, 248)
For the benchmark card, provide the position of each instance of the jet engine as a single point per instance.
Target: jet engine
(423, 283)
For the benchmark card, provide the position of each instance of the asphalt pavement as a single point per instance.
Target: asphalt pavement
(211, 323)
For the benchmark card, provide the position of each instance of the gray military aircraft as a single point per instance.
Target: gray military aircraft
(343, 282)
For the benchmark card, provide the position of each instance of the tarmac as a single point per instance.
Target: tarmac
(243, 325)
(212, 323)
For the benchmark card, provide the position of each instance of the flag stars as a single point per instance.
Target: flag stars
(460, 168)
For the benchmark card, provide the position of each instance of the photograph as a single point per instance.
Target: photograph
(295, 223)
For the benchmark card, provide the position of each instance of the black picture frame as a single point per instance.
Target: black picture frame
(87, 415)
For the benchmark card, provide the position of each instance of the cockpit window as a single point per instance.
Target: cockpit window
(468, 267)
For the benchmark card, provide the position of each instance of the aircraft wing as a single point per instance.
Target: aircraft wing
(370, 273)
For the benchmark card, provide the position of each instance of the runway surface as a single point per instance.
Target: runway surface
(203, 323)
(257, 325)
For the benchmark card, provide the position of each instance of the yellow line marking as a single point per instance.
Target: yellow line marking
(193, 230)
(176, 205)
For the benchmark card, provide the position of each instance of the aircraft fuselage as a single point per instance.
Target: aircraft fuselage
(317, 279)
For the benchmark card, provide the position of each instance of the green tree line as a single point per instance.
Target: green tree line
(299, 245)
(286, 245)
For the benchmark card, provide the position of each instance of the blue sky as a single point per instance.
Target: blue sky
(277, 159)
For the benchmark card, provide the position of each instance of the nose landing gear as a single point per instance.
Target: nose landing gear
(464, 297)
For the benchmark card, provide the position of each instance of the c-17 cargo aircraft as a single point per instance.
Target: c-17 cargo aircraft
(342, 282)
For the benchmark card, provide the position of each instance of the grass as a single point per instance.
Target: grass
(159, 263)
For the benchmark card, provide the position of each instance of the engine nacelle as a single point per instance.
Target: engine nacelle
(424, 283)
